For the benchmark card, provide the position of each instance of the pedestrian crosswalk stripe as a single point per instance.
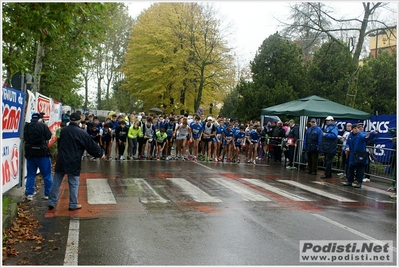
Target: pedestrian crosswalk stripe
(99, 192)
(193, 191)
(358, 192)
(276, 190)
(317, 191)
(152, 195)
(246, 194)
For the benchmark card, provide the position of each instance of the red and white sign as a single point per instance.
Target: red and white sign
(10, 163)
(43, 105)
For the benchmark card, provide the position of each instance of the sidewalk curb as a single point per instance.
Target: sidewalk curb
(10, 216)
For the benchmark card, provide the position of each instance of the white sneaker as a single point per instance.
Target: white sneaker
(30, 197)
(122, 158)
(339, 174)
(45, 197)
(288, 167)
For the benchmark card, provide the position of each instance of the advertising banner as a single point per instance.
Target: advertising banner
(12, 107)
(54, 120)
(10, 163)
(31, 108)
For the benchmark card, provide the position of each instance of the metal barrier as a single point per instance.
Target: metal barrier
(379, 167)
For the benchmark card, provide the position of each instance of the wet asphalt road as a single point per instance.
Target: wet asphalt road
(157, 221)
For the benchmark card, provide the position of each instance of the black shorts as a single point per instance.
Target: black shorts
(206, 139)
(161, 143)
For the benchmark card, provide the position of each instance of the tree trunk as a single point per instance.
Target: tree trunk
(38, 67)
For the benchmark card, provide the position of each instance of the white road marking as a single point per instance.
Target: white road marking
(351, 230)
(369, 188)
(154, 197)
(317, 191)
(276, 190)
(204, 166)
(99, 192)
(357, 192)
(246, 194)
(72, 246)
(193, 191)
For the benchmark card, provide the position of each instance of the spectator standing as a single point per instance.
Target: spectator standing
(276, 137)
(292, 137)
(329, 145)
(344, 162)
(73, 142)
(37, 154)
(356, 145)
(65, 116)
(312, 144)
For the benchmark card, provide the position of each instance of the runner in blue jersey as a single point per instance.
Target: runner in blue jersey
(219, 130)
(227, 135)
(196, 129)
(254, 137)
(170, 128)
(239, 140)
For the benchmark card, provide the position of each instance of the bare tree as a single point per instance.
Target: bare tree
(315, 20)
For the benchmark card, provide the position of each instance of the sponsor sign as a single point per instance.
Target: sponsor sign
(10, 163)
(12, 107)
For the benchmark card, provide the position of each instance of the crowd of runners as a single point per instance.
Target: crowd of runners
(187, 137)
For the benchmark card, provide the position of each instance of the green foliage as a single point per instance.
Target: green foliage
(177, 52)
(377, 89)
(66, 31)
(329, 72)
(278, 76)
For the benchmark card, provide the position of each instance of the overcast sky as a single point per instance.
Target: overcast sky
(254, 21)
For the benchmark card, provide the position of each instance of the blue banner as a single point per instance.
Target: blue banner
(12, 106)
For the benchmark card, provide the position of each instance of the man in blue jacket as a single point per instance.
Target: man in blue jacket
(329, 145)
(356, 142)
(312, 144)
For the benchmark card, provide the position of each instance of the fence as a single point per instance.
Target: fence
(380, 168)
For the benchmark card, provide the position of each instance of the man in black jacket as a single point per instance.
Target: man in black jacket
(73, 142)
(37, 154)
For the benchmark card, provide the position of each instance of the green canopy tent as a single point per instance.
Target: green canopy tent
(314, 106)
